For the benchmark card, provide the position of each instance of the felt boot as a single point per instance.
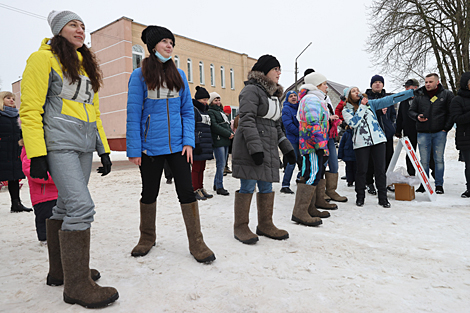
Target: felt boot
(320, 197)
(331, 185)
(55, 277)
(313, 211)
(79, 288)
(265, 204)
(197, 247)
(148, 213)
(241, 230)
(303, 197)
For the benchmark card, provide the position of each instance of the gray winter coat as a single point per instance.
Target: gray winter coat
(259, 130)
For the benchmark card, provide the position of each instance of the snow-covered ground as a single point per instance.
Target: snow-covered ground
(413, 257)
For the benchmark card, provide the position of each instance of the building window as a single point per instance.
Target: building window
(177, 61)
(222, 76)
(138, 55)
(201, 72)
(232, 79)
(212, 75)
(190, 71)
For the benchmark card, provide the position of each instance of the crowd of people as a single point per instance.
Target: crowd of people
(168, 130)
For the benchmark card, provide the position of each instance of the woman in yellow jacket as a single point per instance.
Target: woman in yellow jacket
(61, 128)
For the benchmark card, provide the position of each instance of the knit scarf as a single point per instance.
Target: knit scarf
(9, 111)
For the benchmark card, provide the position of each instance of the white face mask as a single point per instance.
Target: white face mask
(161, 58)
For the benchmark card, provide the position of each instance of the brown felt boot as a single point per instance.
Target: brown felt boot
(312, 210)
(320, 197)
(197, 247)
(331, 185)
(303, 197)
(79, 288)
(265, 204)
(241, 230)
(55, 277)
(148, 213)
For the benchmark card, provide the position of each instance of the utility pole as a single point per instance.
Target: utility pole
(296, 71)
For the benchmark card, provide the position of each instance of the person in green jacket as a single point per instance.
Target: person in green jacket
(221, 135)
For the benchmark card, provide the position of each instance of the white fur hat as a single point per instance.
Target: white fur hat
(315, 79)
(212, 96)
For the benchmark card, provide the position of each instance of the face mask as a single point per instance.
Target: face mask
(161, 58)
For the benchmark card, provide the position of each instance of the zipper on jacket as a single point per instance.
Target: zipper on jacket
(88, 123)
(63, 119)
(147, 127)
(168, 117)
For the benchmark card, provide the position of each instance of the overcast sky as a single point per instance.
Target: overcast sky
(338, 30)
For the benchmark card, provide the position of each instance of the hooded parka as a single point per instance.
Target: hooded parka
(259, 130)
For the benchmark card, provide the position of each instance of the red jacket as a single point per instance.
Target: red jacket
(40, 190)
(339, 110)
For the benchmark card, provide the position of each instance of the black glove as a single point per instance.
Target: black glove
(106, 168)
(398, 135)
(197, 150)
(291, 158)
(39, 167)
(258, 157)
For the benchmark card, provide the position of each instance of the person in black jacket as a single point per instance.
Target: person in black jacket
(10, 151)
(203, 140)
(430, 109)
(408, 126)
(460, 114)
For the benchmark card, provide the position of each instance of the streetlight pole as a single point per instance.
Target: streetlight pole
(295, 84)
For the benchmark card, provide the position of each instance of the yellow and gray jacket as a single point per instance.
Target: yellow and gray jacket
(57, 115)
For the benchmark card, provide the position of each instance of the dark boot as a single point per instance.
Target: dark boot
(265, 204)
(55, 277)
(17, 206)
(197, 247)
(241, 230)
(303, 197)
(148, 213)
(331, 185)
(320, 194)
(78, 286)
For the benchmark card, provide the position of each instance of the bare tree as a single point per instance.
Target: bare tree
(416, 37)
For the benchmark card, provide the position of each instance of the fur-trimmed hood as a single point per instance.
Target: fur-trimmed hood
(270, 87)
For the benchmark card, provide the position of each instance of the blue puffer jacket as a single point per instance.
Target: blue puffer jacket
(345, 150)
(366, 129)
(289, 119)
(203, 135)
(158, 121)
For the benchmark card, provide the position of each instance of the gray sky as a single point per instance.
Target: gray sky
(338, 30)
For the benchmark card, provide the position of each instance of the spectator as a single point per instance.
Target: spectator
(255, 150)
(203, 140)
(460, 113)
(430, 109)
(369, 139)
(221, 135)
(228, 112)
(291, 124)
(10, 160)
(408, 126)
(346, 153)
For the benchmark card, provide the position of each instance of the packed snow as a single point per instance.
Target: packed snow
(412, 257)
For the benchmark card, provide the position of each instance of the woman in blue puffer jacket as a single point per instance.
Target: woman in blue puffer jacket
(160, 126)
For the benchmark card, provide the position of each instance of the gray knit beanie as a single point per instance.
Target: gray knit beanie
(58, 19)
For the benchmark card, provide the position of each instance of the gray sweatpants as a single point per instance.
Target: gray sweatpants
(70, 171)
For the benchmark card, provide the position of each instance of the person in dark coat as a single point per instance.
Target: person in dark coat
(346, 153)
(10, 151)
(430, 108)
(255, 150)
(460, 114)
(203, 141)
(221, 136)
(408, 126)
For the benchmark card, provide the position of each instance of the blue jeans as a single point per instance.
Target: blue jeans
(290, 168)
(434, 143)
(220, 154)
(333, 157)
(248, 186)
